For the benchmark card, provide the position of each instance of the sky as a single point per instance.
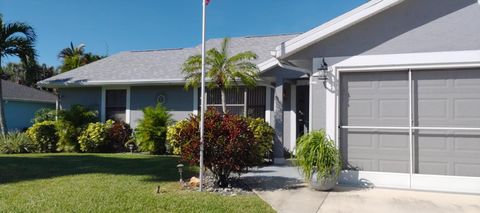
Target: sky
(107, 27)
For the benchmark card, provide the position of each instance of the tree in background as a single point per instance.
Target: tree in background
(27, 75)
(75, 56)
(16, 39)
(223, 71)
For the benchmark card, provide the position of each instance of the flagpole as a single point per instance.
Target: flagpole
(202, 106)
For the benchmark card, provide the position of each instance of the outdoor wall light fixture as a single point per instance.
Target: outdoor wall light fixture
(323, 71)
(180, 171)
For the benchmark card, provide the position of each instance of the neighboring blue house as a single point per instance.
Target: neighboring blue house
(396, 83)
(21, 103)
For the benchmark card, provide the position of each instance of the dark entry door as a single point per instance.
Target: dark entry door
(302, 110)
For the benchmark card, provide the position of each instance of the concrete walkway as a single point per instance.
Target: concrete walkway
(282, 187)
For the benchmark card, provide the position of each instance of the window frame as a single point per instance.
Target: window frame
(103, 108)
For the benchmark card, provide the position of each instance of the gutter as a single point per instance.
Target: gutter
(114, 82)
(163, 82)
(29, 100)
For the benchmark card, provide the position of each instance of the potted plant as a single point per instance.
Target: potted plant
(319, 160)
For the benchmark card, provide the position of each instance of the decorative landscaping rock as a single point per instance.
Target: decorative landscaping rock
(194, 182)
(236, 186)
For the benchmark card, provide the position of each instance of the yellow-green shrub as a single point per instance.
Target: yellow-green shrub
(173, 133)
(263, 134)
(43, 134)
(95, 138)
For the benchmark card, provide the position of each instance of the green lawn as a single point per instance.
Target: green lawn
(105, 183)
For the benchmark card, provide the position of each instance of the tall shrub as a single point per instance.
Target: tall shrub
(95, 137)
(173, 136)
(67, 137)
(44, 134)
(263, 134)
(79, 116)
(118, 135)
(230, 145)
(44, 114)
(70, 125)
(151, 131)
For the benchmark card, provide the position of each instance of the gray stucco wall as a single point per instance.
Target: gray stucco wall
(412, 26)
(90, 97)
(318, 104)
(177, 100)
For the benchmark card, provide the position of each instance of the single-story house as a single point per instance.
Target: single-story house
(396, 83)
(21, 103)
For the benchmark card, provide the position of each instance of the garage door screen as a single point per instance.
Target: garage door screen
(424, 122)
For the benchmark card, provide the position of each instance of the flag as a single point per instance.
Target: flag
(207, 2)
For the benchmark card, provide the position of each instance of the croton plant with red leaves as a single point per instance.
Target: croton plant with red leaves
(228, 144)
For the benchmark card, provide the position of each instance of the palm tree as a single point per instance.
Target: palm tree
(72, 51)
(75, 56)
(16, 39)
(223, 71)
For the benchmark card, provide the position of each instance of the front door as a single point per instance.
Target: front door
(302, 110)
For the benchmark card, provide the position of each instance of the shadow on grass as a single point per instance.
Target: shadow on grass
(17, 168)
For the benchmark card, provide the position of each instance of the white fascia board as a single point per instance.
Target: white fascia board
(424, 60)
(340, 23)
(268, 64)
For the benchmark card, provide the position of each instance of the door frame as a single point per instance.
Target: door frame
(395, 62)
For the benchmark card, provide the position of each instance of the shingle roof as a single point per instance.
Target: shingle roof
(158, 65)
(13, 91)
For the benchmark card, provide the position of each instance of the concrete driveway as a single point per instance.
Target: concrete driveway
(282, 187)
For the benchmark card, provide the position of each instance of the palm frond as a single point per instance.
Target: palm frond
(223, 71)
(72, 51)
(21, 47)
(224, 48)
(16, 29)
(243, 56)
(192, 64)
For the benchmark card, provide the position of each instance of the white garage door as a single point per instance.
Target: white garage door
(423, 124)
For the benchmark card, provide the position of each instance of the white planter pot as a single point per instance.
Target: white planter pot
(324, 184)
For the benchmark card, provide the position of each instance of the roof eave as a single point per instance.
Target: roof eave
(30, 100)
(112, 83)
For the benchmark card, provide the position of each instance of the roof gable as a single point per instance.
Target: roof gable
(336, 25)
(410, 27)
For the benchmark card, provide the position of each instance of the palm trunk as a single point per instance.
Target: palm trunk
(224, 101)
(3, 124)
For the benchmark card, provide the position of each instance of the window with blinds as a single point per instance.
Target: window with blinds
(240, 101)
